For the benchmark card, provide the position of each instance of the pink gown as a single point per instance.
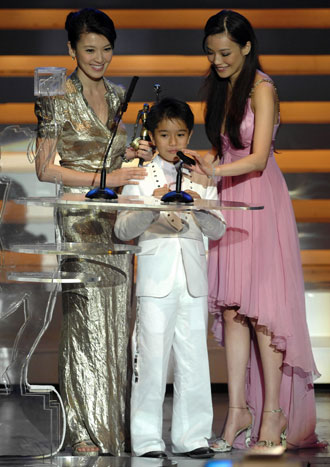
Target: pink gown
(256, 267)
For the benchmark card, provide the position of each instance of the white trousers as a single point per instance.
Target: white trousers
(178, 322)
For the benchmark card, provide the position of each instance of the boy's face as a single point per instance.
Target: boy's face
(170, 137)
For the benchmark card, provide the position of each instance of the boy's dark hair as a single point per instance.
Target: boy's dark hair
(89, 20)
(171, 109)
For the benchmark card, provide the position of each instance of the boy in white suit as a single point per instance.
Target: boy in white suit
(172, 295)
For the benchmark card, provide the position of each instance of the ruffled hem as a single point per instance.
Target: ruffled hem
(296, 392)
(277, 340)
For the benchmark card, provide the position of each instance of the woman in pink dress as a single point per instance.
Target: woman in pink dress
(256, 287)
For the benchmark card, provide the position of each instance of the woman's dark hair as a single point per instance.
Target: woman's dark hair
(239, 30)
(171, 109)
(89, 20)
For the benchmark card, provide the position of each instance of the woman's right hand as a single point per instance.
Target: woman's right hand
(204, 164)
(126, 176)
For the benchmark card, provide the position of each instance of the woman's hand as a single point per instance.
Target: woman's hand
(126, 176)
(130, 153)
(205, 164)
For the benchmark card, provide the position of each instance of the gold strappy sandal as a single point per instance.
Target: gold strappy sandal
(85, 448)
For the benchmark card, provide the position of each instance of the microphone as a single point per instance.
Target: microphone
(102, 191)
(186, 159)
(129, 93)
(179, 196)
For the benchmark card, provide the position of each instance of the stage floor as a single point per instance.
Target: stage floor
(301, 458)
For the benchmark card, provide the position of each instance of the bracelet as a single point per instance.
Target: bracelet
(213, 174)
(124, 158)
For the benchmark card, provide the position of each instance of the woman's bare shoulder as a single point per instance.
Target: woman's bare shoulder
(262, 82)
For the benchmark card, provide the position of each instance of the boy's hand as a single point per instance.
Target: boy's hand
(145, 151)
(160, 192)
(193, 194)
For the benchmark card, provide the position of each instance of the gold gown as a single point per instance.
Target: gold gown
(93, 362)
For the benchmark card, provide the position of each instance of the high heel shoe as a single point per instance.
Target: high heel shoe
(221, 445)
(268, 447)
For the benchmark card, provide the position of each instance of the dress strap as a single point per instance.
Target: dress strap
(262, 80)
(267, 80)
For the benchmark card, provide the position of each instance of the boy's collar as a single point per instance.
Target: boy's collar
(166, 162)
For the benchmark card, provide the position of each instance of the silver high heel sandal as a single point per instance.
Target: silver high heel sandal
(267, 447)
(270, 444)
(221, 445)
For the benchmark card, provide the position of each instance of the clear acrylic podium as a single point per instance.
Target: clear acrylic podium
(40, 406)
(32, 415)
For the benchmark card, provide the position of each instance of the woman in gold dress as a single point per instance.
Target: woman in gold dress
(93, 364)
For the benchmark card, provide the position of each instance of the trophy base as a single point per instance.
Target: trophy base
(102, 193)
(177, 197)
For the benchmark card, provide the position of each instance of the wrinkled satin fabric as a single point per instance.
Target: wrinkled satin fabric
(94, 362)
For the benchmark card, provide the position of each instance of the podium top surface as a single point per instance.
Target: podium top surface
(80, 249)
(136, 203)
(58, 277)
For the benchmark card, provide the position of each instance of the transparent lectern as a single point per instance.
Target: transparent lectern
(32, 415)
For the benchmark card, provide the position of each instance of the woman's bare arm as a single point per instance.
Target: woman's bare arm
(48, 171)
(265, 109)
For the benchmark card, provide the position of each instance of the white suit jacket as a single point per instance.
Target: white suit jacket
(161, 245)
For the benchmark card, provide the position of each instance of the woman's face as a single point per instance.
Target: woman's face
(93, 54)
(226, 56)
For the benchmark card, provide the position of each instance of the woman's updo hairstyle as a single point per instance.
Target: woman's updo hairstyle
(89, 20)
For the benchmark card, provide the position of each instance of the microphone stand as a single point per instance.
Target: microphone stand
(179, 196)
(102, 191)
